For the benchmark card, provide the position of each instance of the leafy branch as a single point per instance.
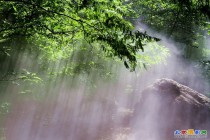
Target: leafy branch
(23, 76)
(94, 21)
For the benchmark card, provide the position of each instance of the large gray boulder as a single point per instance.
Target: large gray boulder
(166, 106)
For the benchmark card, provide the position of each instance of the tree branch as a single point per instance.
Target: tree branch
(80, 21)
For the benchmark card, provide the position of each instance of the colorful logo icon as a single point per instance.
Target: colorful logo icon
(203, 132)
(197, 132)
(177, 132)
(190, 133)
(184, 132)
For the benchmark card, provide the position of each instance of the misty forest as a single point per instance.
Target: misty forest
(104, 69)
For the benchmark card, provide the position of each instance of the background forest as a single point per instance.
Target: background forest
(50, 45)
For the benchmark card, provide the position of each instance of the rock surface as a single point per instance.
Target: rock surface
(166, 106)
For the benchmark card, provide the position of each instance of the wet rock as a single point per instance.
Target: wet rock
(166, 106)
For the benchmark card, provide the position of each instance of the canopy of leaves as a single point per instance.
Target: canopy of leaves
(179, 19)
(185, 21)
(62, 23)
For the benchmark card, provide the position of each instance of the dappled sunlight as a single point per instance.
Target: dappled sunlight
(104, 70)
(107, 111)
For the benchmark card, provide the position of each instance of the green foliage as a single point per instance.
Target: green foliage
(151, 57)
(73, 38)
(24, 76)
(86, 63)
(205, 65)
(183, 21)
(180, 20)
(4, 108)
(186, 22)
(208, 27)
(56, 25)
